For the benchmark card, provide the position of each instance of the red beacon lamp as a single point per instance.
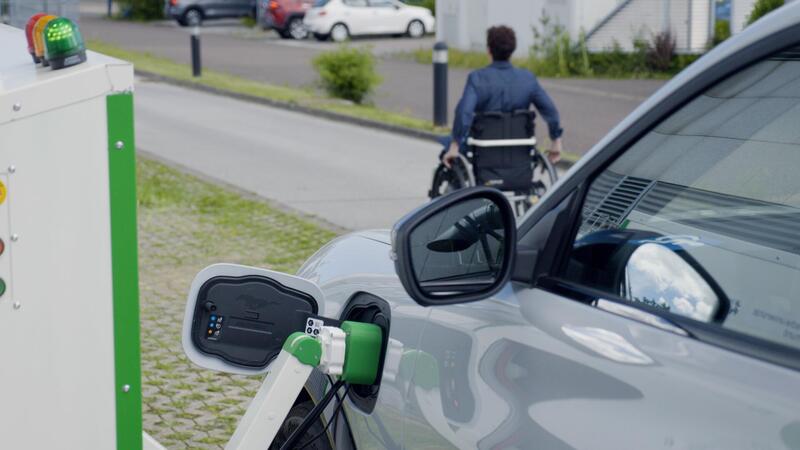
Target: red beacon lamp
(29, 35)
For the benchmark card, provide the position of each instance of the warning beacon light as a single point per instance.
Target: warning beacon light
(29, 35)
(63, 44)
(38, 38)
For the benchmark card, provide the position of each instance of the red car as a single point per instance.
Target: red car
(285, 17)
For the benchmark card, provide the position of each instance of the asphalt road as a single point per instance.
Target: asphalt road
(589, 108)
(353, 177)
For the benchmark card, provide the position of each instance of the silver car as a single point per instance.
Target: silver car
(194, 12)
(650, 300)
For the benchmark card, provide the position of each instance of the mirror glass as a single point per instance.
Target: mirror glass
(460, 249)
(659, 277)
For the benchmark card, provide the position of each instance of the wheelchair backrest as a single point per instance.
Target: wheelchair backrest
(503, 125)
(507, 168)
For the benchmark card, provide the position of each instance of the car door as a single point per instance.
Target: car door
(234, 8)
(655, 301)
(386, 17)
(357, 15)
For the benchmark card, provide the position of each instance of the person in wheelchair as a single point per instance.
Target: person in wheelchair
(496, 104)
(501, 87)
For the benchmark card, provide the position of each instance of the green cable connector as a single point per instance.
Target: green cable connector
(362, 353)
(305, 348)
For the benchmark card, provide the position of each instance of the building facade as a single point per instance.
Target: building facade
(463, 23)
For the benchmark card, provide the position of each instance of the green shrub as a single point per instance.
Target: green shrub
(761, 8)
(722, 31)
(347, 73)
(142, 9)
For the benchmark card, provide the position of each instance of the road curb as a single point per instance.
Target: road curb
(404, 131)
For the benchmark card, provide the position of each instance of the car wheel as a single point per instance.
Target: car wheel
(296, 29)
(293, 420)
(416, 29)
(193, 18)
(340, 33)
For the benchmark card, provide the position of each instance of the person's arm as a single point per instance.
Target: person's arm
(462, 122)
(544, 104)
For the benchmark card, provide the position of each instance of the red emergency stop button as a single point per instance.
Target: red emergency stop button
(2, 247)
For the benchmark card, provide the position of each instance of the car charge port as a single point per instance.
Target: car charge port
(367, 308)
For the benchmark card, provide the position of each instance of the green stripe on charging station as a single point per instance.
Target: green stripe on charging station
(125, 270)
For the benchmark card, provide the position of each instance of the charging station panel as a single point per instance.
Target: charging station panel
(71, 367)
(245, 320)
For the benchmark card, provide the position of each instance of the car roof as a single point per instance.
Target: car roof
(780, 19)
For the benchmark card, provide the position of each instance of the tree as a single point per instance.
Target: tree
(762, 7)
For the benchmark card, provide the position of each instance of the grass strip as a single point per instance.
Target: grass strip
(220, 81)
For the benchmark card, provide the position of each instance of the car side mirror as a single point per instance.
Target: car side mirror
(672, 280)
(655, 270)
(237, 318)
(458, 248)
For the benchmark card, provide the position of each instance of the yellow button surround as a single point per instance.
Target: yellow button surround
(2, 192)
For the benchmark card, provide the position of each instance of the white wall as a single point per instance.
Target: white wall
(688, 20)
(463, 23)
(740, 9)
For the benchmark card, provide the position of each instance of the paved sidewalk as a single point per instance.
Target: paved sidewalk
(589, 108)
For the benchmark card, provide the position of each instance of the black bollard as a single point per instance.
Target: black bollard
(197, 66)
(440, 84)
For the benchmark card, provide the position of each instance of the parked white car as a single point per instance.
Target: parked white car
(341, 19)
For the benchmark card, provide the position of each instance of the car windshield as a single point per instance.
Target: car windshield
(320, 3)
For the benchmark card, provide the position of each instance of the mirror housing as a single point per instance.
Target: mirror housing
(463, 245)
(237, 317)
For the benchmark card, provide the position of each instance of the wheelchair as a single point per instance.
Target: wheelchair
(501, 153)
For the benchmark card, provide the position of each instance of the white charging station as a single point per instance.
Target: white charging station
(68, 266)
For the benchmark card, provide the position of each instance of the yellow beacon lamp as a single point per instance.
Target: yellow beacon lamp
(38, 37)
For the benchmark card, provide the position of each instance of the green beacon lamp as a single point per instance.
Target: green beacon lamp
(63, 44)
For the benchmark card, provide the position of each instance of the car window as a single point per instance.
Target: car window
(359, 3)
(701, 216)
(320, 3)
(381, 3)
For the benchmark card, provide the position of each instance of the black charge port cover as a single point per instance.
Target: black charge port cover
(246, 320)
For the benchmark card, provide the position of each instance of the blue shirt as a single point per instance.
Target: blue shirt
(501, 87)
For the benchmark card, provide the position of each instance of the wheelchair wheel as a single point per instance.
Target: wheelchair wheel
(448, 180)
(544, 175)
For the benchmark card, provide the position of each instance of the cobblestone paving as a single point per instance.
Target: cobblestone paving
(186, 224)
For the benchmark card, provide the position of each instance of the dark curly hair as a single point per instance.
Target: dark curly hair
(502, 42)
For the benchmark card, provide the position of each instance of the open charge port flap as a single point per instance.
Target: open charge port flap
(245, 320)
